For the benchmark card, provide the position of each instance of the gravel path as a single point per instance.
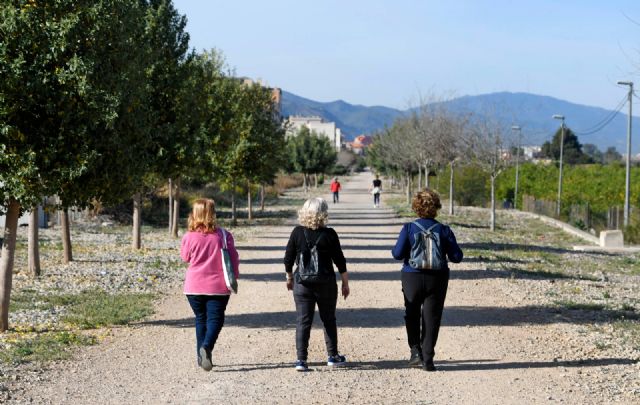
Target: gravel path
(494, 347)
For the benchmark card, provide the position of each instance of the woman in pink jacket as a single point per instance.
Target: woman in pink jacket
(204, 283)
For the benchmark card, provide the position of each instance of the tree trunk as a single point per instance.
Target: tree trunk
(249, 205)
(170, 206)
(136, 242)
(234, 218)
(66, 237)
(419, 176)
(6, 260)
(175, 220)
(34, 249)
(304, 182)
(262, 197)
(408, 187)
(493, 204)
(315, 180)
(451, 193)
(426, 176)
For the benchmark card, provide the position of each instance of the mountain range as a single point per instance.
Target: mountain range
(533, 113)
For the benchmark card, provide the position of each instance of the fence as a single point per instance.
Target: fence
(582, 215)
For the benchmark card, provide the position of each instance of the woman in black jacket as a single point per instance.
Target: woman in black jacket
(324, 292)
(424, 290)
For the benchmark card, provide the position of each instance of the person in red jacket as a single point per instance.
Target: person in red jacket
(335, 189)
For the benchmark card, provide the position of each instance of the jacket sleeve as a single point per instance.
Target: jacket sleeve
(454, 253)
(336, 253)
(401, 250)
(233, 252)
(290, 252)
(184, 249)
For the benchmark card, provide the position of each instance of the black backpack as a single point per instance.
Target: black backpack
(426, 251)
(310, 270)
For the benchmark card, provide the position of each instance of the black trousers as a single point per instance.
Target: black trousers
(306, 298)
(424, 295)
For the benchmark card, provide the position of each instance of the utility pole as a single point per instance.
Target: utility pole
(560, 117)
(515, 193)
(628, 168)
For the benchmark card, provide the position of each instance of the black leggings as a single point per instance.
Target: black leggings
(424, 295)
(306, 297)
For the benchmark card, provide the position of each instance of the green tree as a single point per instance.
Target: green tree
(175, 121)
(572, 150)
(310, 153)
(611, 155)
(55, 95)
(592, 151)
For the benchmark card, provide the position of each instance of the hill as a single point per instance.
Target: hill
(532, 112)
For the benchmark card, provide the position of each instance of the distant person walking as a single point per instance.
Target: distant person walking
(335, 189)
(375, 189)
(322, 289)
(204, 283)
(425, 290)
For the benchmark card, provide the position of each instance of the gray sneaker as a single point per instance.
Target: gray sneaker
(205, 359)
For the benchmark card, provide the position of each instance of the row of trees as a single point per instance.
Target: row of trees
(432, 140)
(101, 100)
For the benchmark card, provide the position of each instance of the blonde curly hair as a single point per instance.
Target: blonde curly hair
(203, 216)
(314, 213)
(426, 203)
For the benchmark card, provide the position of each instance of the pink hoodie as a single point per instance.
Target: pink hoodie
(203, 252)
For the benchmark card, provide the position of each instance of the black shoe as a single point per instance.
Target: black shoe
(428, 366)
(205, 359)
(416, 357)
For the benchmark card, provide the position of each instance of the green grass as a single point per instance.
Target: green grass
(96, 309)
(580, 306)
(89, 309)
(542, 273)
(43, 347)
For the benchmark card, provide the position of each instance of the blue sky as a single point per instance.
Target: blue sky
(377, 52)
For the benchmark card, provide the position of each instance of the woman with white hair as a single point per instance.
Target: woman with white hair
(322, 289)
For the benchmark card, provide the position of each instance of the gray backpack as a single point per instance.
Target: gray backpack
(426, 251)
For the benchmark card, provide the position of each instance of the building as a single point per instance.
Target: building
(360, 144)
(318, 125)
(276, 93)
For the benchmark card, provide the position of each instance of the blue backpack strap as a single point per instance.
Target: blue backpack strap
(419, 226)
(422, 227)
(433, 226)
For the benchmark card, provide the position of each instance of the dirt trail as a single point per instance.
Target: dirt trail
(491, 350)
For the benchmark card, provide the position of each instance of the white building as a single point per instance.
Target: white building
(530, 151)
(317, 124)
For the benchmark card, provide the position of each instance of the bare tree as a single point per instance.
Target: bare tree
(487, 143)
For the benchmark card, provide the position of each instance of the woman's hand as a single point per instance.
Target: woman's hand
(289, 281)
(345, 290)
(345, 284)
